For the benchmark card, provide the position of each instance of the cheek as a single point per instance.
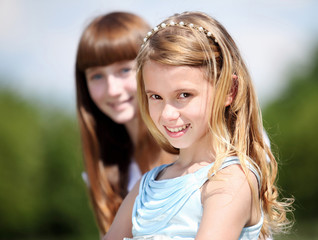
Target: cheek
(154, 112)
(151, 111)
(198, 111)
(131, 84)
(96, 91)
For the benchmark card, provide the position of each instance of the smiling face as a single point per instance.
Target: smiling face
(113, 90)
(178, 101)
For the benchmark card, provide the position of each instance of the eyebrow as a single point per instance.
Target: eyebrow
(149, 91)
(175, 91)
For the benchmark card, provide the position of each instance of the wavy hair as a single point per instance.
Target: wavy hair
(236, 129)
(107, 147)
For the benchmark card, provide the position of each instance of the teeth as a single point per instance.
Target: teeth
(178, 129)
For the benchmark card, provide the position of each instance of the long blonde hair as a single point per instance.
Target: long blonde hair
(236, 129)
(107, 146)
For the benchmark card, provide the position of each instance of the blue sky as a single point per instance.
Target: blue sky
(38, 39)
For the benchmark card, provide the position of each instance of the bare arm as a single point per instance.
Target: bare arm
(122, 224)
(227, 205)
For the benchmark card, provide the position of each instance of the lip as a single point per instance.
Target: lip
(178, 131)
(117, 105)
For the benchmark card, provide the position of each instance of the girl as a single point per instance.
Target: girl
(117, 147)
(197, 99)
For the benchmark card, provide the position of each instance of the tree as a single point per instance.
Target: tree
(291, 121)
(41, 190)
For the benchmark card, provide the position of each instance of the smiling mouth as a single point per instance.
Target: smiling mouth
(179, 129)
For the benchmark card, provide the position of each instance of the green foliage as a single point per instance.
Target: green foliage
(302, 230)
(41, 190)
(42, 194)
(291, 121)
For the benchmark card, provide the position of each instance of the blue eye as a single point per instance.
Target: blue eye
(125, 70)
(97, 76)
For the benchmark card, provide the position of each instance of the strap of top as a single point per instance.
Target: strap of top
(159, 200)
(234, 160)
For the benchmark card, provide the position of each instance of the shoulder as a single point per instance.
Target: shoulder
(234, 191)
(230, 182)
(227, 200)
(122, 225)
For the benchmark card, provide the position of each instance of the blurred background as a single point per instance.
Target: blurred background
(42, 194)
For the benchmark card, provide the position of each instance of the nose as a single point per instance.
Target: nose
(170, 113)
(113, 86)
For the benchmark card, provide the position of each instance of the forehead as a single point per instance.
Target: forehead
(113, 66)
(162, 75)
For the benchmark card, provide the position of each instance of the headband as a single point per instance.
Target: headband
(180, 24)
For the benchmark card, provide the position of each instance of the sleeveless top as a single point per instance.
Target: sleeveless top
(172, 208)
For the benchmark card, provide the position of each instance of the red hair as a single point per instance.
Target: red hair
(107, 147)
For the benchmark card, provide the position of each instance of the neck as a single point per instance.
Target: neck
(132, 129)
(200, 153)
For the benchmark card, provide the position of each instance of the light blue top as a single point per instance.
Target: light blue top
(173, 208)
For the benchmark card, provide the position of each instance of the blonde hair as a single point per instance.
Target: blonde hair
(236, 129)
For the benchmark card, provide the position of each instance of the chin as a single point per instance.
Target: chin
(179, 145)
(124, 118)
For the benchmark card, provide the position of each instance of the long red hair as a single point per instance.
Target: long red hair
(107, 147)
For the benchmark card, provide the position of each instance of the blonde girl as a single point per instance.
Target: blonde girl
(197, 99)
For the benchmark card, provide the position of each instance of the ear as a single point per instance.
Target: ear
(230, 97)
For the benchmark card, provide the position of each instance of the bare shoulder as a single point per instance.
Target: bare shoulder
(230, 181)
(227, 200)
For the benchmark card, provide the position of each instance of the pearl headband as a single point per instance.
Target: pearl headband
(180, 24)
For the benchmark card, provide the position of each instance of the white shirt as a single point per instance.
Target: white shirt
(134, 174)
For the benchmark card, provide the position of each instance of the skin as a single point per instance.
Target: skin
(180, 104)
(122, 225)
(178, 100)
(113, 90)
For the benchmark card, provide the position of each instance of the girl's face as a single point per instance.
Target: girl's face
(113, 90)
(178, 101)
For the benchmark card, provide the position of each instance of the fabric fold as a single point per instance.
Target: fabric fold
(172, 207)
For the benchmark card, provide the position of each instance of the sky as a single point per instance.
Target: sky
(38, 39)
